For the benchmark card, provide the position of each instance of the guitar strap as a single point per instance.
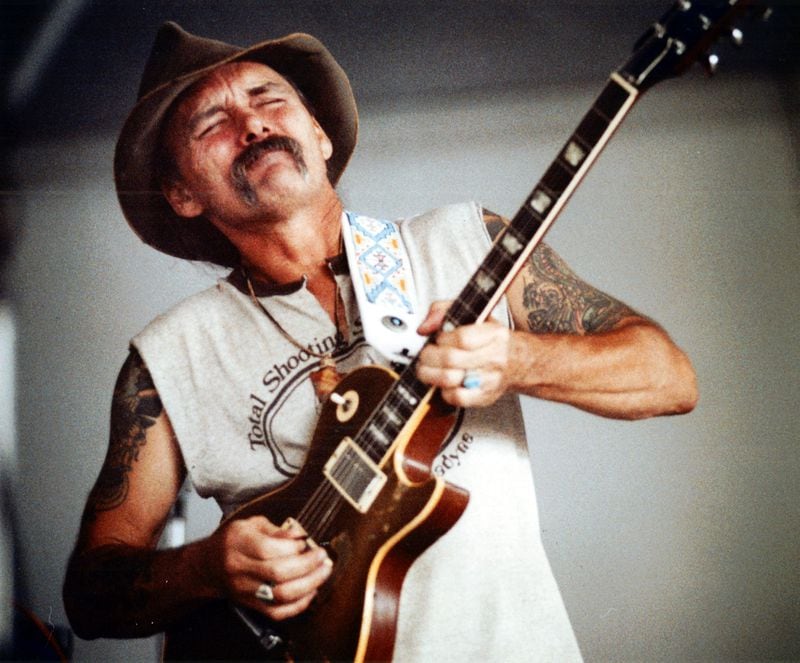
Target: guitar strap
(384, 286)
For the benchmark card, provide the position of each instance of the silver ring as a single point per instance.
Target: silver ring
(264, 593)
(472, 379)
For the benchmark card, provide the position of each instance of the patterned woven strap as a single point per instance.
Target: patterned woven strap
(384, 286)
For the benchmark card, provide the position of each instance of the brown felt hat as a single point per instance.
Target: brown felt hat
(178, 60)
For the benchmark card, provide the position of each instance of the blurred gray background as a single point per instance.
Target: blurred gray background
(672, 539)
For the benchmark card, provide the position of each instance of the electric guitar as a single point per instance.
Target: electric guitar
(366, 492)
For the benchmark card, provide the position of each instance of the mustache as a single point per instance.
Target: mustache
(253, 152)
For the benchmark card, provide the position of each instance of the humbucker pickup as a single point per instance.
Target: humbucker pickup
(354, 474)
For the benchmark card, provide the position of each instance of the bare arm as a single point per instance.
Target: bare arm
(119, 585)
(572, 343)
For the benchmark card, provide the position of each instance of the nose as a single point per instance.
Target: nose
(253, 127)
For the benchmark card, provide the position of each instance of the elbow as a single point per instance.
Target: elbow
(81, 621)
(84, 609)
(678, 388)
(672, 383)
(687, 395)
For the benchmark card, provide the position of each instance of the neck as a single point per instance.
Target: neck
(296, 246)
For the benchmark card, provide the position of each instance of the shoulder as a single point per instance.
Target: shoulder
(200, 310)
(454, 215)
(451, 228)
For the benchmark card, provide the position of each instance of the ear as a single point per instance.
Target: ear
(325, 145)
(182, 200)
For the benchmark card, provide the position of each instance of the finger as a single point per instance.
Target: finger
(280, 611)
(259, 540)
(473, 337)
(435, 317)
(442, 377)
(481, 354)
(291, 597)
(289, 577)
(286, 569)
(289, 529)
(298, 585)
(462, 397)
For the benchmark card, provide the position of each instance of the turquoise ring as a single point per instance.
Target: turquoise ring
(472, 379)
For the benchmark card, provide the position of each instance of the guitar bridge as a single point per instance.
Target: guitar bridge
(354, 474)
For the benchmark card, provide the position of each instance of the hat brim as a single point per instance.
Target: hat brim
(299, 57)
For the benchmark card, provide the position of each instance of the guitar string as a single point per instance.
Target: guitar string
(327, 500)
(325, 503)
(524, 226)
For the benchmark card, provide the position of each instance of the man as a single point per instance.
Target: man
(231, 156)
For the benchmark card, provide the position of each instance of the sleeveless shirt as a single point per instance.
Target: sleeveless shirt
(243, 408)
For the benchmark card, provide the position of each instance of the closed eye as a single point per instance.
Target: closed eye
(206, 130)
(265, 100)
(204, 121)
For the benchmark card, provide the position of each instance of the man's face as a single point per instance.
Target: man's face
(246, 147)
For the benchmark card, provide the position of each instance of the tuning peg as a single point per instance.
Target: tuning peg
(737, 37)
(764, 13)
(760, 12)
(710, 63)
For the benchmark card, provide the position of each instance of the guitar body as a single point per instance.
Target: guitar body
(355, 614)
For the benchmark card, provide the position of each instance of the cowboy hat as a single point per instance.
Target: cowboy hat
(179, 59)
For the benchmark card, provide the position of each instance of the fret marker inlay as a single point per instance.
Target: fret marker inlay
(485, 281)
(511, 244)
(574, 154)
(540, 201)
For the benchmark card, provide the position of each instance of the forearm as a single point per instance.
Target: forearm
(630, 372)
(121, 591)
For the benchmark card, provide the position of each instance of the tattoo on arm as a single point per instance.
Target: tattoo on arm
(557, 301)
(135, 408)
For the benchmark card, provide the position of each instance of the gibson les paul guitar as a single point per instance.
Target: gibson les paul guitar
(366, 492)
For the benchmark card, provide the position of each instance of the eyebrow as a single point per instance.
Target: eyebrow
(198, 117)
(264, 87)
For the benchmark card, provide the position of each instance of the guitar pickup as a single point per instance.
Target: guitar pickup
(354, 474)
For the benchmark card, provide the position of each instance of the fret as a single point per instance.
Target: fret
(611, 100)
(414, 386)
(376, 431)
(499, 261)
(591, 129)
(462, 312)
(474, 301)
(482, 292)
(392, 415)
(407, 395)
(525, 224)
(556, 179)
(511, 243)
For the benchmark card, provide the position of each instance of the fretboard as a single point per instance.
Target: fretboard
(534, 218)
(508, 254)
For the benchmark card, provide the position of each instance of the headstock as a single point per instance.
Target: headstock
(682, 36)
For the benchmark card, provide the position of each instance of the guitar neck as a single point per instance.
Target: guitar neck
(512, 248)
(508, 254)
(669, 46)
